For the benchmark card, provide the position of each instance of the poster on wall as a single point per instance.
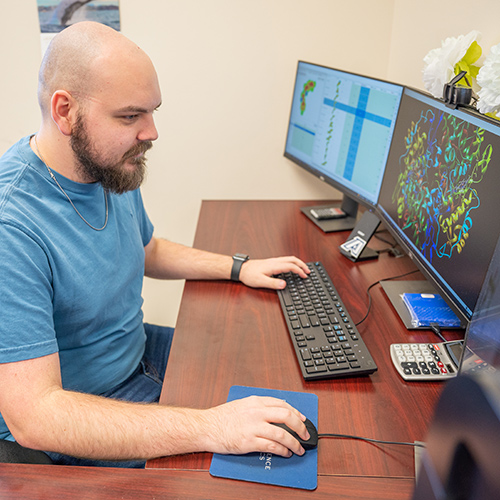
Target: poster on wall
(55, 15)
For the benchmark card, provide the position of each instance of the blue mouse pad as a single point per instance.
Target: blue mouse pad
(293, 472)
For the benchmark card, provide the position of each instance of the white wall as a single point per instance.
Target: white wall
(421, 26)
(226, 68)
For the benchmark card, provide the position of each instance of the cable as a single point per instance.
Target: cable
(391, 244)
(369, 440)
(437, 330)
(376, 283)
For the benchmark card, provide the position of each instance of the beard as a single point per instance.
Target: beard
(112, 175)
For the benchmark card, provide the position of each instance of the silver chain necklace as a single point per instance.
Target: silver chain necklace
(66, 194)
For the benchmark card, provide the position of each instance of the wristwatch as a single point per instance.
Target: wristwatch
(238, 260)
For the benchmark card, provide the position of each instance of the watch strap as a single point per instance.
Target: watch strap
(238, 260)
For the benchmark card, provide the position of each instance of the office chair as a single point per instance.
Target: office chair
(12, 452)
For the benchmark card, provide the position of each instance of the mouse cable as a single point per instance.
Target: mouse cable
(376, 441)
(374, 284)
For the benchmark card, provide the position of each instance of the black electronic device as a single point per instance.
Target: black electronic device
(482, 338)
(439, 195)
(326, 341)
(355, 248)
(326, 213)
(463, 444)
(455, 95)
(308, 444)
(340, 130)
(460, 460)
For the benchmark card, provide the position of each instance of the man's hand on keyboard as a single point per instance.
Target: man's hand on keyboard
(245, 425)
(259, 273)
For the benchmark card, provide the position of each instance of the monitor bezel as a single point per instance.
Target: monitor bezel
(352, 195)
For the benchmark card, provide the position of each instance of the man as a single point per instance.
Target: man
(75, 243)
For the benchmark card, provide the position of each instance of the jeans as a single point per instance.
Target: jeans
(143, 386)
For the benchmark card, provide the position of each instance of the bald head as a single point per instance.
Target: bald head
(85, 58)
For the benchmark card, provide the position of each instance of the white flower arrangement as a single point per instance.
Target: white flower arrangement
(454, 55)
(488, 79)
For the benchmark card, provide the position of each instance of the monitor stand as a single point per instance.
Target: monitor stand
(355, 248)
(348, 205)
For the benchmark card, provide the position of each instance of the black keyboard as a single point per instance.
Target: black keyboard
(326, 341)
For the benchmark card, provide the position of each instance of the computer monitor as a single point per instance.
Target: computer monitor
(482, 338)
(340, 130)
(439, 195)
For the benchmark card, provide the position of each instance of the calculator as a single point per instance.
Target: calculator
(420, 362)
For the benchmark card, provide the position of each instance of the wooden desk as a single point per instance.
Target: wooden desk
(53, 482)
(228, 334)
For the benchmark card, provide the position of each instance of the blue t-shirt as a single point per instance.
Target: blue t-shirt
(65, 287)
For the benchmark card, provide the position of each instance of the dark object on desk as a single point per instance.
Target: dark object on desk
(355, 247)
(333, 225)
(326, 213)
(308, 444)
(14, 453)
(463, 445)
(326, 341)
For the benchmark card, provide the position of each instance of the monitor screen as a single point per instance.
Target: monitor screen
(340, 128)
(439, 194)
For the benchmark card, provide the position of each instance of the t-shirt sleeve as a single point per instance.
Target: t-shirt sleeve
(26, 320)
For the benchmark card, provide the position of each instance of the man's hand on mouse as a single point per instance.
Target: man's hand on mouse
(245, 426)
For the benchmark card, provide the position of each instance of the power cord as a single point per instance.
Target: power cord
(370, 440)
(376, 283)
(437, 330)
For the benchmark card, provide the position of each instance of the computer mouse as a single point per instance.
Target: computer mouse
(312, 442)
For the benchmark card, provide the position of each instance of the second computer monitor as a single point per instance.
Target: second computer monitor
(440, 194)
(340, 128)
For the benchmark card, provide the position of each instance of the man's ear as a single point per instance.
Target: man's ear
(64, 111)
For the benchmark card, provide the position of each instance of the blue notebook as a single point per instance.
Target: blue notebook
(293, 472)
(427, 308)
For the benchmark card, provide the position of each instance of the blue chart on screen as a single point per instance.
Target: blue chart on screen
(341, 125)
